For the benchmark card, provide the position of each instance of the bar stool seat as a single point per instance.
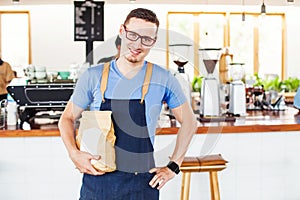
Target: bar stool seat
(208, 163)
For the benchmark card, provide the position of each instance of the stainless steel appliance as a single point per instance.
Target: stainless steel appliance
(210, 90)
(237, 101)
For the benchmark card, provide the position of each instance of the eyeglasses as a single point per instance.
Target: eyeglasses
(133, 36)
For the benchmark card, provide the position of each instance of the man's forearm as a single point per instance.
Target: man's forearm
(66, 126)
(68, 135)
(184, 137)
(185, 115)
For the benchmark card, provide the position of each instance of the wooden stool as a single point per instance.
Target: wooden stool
(209, 163)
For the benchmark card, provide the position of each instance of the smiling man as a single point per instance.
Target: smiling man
(134, 92)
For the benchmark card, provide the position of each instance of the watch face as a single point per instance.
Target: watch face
(174, 167)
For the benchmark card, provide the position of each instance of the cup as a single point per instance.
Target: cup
(64, 74)
(3, 113)
(11, 113)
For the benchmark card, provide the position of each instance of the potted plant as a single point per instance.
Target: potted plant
(269, 84)
(291, 85)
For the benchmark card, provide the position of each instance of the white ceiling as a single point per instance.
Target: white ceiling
(205, 2)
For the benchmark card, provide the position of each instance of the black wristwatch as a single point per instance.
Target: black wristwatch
(174, 167)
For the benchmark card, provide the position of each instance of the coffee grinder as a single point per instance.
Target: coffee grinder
(210, 89)
(180, 53)
(237, 94)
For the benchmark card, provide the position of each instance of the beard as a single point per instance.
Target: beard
(132, 59)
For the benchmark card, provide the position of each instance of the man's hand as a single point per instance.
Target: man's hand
(82, 161)
(162, 176)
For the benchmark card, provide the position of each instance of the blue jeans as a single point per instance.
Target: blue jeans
(118, 186)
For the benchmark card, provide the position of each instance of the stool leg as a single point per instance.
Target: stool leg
(185, 186)
(214, 185)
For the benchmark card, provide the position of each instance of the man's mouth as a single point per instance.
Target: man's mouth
(135, 52)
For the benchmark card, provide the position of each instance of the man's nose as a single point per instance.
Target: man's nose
(138, 43)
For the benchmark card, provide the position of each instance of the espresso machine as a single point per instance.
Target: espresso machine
(210, 89)
(237, 94)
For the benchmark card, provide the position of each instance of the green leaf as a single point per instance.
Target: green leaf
(197, 83)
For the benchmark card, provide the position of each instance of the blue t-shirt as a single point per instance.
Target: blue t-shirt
(297, 99)
(163, 87)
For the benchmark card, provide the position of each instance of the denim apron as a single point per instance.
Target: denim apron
(134, 151)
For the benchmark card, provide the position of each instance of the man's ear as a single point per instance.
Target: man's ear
(121, 30)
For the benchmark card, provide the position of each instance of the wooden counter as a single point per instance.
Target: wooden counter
(255, 121)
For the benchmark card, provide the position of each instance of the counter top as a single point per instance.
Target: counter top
(255, 121)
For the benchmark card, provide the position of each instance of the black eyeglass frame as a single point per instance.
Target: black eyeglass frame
(139, 36)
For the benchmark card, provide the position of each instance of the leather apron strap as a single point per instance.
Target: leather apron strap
(145, 88)
(104, 79)
(147, 79)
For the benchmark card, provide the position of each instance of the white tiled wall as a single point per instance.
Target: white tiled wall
(262, 166)
(35, 168)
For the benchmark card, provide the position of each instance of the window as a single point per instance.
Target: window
(242, 40)
(15, 38)
(258, 41)
(180, 32)
(270, 46)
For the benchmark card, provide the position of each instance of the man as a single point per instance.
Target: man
(134, 114)
(118, 47)
(6, 75)
(297, 99)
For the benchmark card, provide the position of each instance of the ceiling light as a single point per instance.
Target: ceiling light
(243, 14)
(263, 8)
(132, 1)
(16, 1)
(290, 2)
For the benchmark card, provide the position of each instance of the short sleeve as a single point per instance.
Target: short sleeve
(82, 95)
(174, 95)
(297, 99)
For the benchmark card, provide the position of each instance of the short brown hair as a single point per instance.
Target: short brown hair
(143, 13)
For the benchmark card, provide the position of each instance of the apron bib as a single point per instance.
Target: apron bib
(134, 150)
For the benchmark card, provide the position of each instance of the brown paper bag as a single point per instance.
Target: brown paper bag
(96, 136)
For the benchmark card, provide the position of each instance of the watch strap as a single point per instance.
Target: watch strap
(173, 167)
